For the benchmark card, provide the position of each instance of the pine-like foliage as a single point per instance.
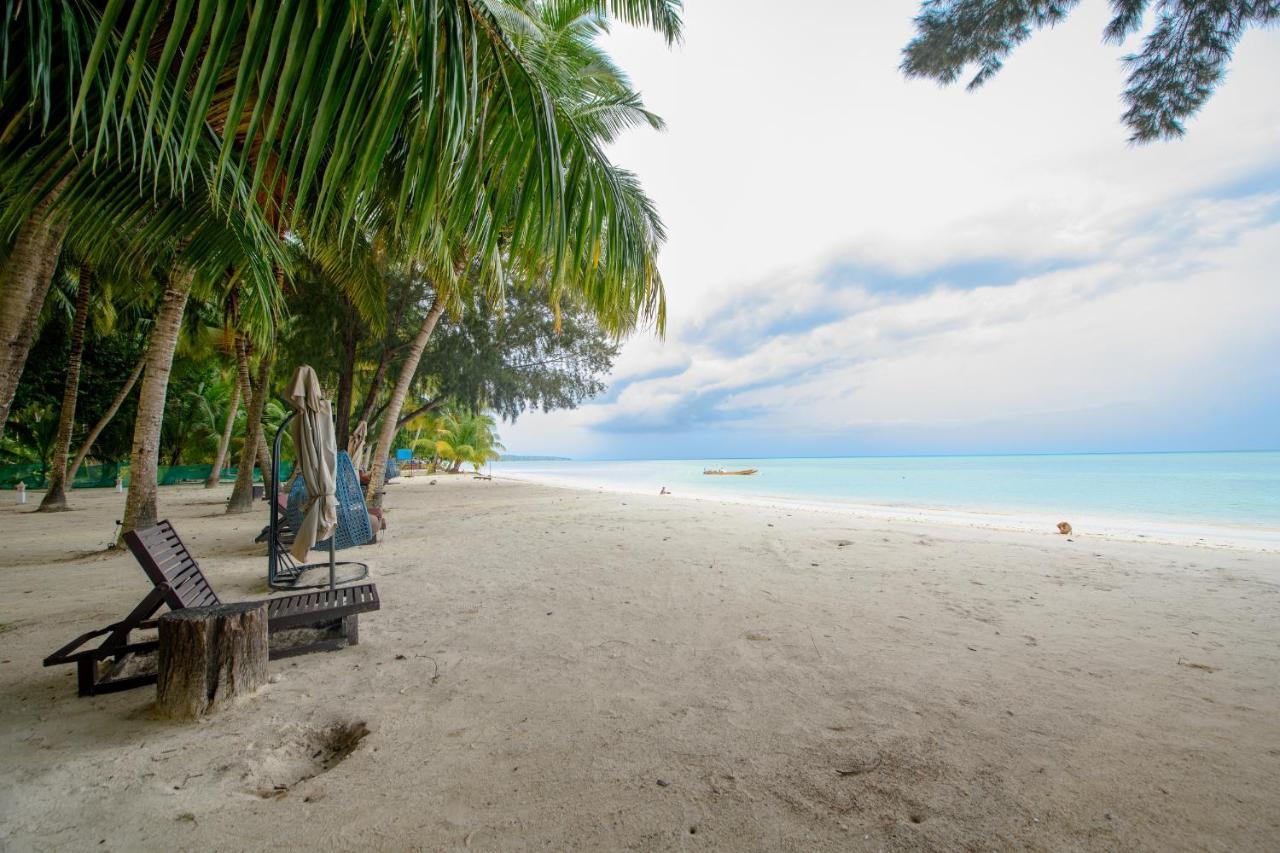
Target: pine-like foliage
(1184, 53)
(518, 355)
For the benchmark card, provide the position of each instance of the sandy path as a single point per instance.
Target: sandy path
(797, 680)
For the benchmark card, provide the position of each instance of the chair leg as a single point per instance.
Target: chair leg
(351, 629)
(86, 671)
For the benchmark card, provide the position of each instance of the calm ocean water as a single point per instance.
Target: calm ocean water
(1236, 489)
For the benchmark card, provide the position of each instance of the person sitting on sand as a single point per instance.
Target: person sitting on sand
(664, 491)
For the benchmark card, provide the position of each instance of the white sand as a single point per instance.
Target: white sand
(800, 680)
(1167, 532)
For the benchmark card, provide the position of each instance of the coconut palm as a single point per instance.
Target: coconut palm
(121, 314)
(244, 122)
(304, 101)
(339, 293)
(467, 438)
(191, 424)
(55, 497)
(86, 446)
(600, 234)
(254, 446)
(51, 192)
(33, 437)
(230, 412)
(95, 303)
(206, 246)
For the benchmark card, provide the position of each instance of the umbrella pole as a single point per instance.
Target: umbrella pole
(275, 555)
(333, 534)
(273, 495)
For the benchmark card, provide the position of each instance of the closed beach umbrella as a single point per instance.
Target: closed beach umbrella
(355, 444)
(317, 452)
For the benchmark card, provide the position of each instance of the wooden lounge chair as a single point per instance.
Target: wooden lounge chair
(179, 583)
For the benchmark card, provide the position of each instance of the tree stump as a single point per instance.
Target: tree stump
(209, 657)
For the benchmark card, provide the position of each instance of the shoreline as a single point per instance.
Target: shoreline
(1184, 533)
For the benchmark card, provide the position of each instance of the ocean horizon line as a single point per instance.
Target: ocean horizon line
(999, 454)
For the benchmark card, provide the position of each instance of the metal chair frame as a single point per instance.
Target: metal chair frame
(284, 572)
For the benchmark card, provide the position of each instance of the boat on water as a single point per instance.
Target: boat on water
(720, 472)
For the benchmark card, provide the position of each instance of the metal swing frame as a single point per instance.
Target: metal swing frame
(284, 572)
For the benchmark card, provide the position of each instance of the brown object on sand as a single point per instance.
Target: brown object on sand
(180, 584)
(1064, 528)
(210, 657)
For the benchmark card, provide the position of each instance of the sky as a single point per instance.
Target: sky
(858, 264)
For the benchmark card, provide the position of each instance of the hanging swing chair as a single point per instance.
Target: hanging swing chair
(283, 571)
(353, 516)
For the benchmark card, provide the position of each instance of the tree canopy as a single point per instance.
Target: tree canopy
(518, 355)
(1184, 54)
(292, 181)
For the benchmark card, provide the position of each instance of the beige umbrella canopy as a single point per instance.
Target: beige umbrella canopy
(317, 452)
(355, 444)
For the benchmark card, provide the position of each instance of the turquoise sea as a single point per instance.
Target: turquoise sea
(1235, 489)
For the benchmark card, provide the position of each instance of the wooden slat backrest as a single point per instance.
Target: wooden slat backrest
(171, 566)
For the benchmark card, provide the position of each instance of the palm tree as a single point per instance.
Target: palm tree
(96, 300)
(303, 101)
(55, 497)
(191, 424)
(86, 446)
(422, 119)
(140, 505)
(464, 437)
(241, 499)
(340, 294)
(224, 443)
(24, 282)
(208, 246)
(601, 234)
(52, 188)
(32, 439)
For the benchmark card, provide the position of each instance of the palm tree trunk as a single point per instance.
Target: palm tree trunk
(24, 284)
(246, 394)
(215, 473)
(55, 497)
(346, 375)
(429, 406)
(140, 506)
(384, 361)
(89, 439)
(387, 430)
(242, 493)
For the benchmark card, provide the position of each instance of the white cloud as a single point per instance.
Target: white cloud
(1071, 342)
(1106, 332)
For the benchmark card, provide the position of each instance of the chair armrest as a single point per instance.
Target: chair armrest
(63, 655)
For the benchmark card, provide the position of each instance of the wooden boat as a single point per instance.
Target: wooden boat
(720, 472)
